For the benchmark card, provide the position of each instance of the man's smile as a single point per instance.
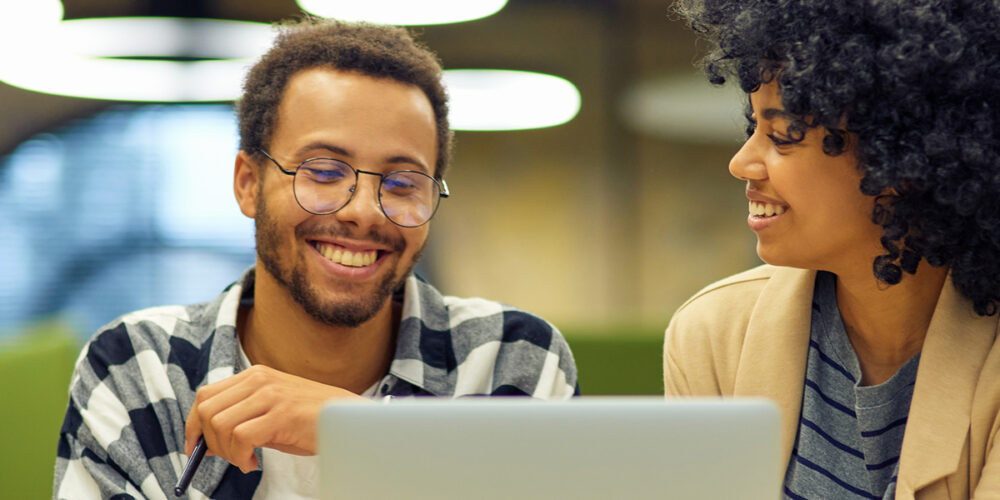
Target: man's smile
(338, 254)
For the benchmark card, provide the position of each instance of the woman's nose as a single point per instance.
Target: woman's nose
(748, 163)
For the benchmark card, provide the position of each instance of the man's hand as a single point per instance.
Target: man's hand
(258, 407)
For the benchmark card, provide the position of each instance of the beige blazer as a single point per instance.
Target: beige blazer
(748, 335)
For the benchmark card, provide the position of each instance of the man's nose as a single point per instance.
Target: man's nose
(364, 209)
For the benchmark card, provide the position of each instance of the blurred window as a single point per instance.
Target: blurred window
(127, 209)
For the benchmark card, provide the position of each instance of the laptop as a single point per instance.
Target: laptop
(519, 448)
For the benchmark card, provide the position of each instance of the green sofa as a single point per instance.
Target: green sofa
(618, 361)
(35, 369)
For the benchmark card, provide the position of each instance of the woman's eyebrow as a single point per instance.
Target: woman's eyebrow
(772, 113)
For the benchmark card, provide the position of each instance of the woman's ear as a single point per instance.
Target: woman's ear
(245, 184)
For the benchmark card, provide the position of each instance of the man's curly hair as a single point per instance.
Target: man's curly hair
(918, 83)
(373, 50)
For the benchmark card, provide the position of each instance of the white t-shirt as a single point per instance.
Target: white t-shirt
(285, 476)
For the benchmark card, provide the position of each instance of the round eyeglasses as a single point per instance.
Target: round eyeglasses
(322, 186)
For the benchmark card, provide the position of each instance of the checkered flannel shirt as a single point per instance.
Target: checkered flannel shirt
(135, 382)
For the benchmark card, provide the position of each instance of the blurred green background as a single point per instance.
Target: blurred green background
(35, 370)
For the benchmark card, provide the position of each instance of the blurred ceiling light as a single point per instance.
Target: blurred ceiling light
(685, 107)
(89, 58)
(23, 18)
(136, 59)
(403, 12)
(490, 99)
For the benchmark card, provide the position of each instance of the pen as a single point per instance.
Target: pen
(192, 466)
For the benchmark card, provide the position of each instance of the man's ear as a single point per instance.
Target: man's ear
(245, 182)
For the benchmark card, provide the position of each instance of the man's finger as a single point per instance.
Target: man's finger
(248, 436)
(224, 422)
(208, 403)
(210, 390)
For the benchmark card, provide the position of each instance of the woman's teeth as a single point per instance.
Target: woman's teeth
(765, 209)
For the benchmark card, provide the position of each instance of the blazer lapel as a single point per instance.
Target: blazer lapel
(951, 359)
(773, 360)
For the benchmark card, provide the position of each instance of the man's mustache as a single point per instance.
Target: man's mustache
(333, 232)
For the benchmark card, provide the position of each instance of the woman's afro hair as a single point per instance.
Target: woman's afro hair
(917, 82)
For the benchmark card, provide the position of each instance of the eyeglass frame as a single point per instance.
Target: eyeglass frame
(441, 184)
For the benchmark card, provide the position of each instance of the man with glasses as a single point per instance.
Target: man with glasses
(344, 143)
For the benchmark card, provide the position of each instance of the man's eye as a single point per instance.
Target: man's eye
(325, 171)
(397, 185)
(324, 175)
(329, 174)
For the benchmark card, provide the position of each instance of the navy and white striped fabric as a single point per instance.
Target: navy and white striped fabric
(135, 382)
(849, 436)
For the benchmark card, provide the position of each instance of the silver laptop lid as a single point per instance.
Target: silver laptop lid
(586, 448)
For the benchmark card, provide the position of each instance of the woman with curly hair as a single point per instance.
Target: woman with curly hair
(872, 170)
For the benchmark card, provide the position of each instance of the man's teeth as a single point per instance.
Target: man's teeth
(347, 257)
(765, 209)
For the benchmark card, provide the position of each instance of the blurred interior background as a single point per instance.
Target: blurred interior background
(603, 224)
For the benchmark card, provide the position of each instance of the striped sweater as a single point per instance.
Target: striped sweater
(849, 436)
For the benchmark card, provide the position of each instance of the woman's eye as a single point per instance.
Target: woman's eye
(778, 141)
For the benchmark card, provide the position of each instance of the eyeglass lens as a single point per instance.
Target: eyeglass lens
(323, 186)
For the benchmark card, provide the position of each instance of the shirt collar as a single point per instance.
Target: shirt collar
(423, 340)
(424, 353)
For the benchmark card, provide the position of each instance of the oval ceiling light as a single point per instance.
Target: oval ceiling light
(89, 58)
(492, 99)
(403, 12)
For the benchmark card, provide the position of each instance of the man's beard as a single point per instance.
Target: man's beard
(293, 278)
